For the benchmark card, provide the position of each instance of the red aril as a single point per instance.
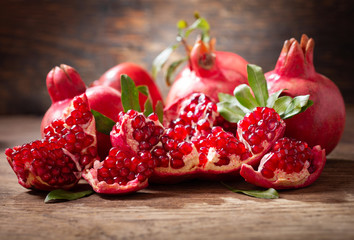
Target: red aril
(323, 123)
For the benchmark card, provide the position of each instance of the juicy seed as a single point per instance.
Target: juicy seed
(289, 156)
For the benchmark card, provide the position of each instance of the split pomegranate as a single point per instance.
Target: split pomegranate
(139, 75)
(290, 164)
(323, 123)
(209, 72)
(129, 163)
(68, 147)
(64, 83)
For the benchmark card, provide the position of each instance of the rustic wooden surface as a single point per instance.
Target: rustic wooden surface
(190, 210)
(93, 36)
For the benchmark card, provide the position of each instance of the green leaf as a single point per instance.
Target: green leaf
(244, 97)
(172, 68)
(270, 193)
(281, 104)
(297, 105)
(60, 194)
(148, 109)
(258, 84)
(181, 24)
(143, 89)
(103, 123)
(272, 98)
(230, 111)
(130, 94)
(159, 111)
(203, 25)
(162, 58)
(224, 97)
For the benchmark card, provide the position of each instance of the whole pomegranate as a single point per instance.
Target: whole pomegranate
(139, 75)
(64, 83)
(209, 72)
(323, 123)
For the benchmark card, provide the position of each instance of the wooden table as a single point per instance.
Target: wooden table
(191, 210)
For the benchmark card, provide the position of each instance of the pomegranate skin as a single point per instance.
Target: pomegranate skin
(323, 123)
(209, 72)
(139, 75)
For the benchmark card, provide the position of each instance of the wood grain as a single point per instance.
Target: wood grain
(93, 36)
(190, 210)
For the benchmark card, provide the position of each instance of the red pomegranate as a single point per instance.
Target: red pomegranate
(139, 75)
(323, 123)
(209, 72)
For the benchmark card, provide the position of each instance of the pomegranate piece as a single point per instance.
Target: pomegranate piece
(323, 123)
(68, 147)
(290, 164)
(130, 162)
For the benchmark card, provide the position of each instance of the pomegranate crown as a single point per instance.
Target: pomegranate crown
(234, 108)
(202, 50)
(296, 59)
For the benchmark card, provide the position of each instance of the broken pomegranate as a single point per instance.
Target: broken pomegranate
(68, 147)
(64, 83)
(129, 163)
(323, 123)
(290, 164)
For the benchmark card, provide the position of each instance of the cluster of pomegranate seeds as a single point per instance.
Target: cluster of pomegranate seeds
(260, 126)
(120, 167)
(47, 161)
(57, 160)
(287, 155)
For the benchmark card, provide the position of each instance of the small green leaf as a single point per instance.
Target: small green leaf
(143, 89)
(272, 98)
(230, 111)
(159, 111)
(60, 194)
(281, 104)
(172, 68)
(148, 109)
(258, 84)
(297, 105)
(162, 58)
(103, 123)
(182, 24)
(203, 25)
(270, 193)
(245, 98)
(224, 97)
(130, 94)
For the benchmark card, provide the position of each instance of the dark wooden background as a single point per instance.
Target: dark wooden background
(93, 36)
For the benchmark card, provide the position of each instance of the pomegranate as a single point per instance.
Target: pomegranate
(64, 83)
(290, 164)
(139, 75)
(57, 160)
(209, 72)
(129, 164)
(323, 123)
